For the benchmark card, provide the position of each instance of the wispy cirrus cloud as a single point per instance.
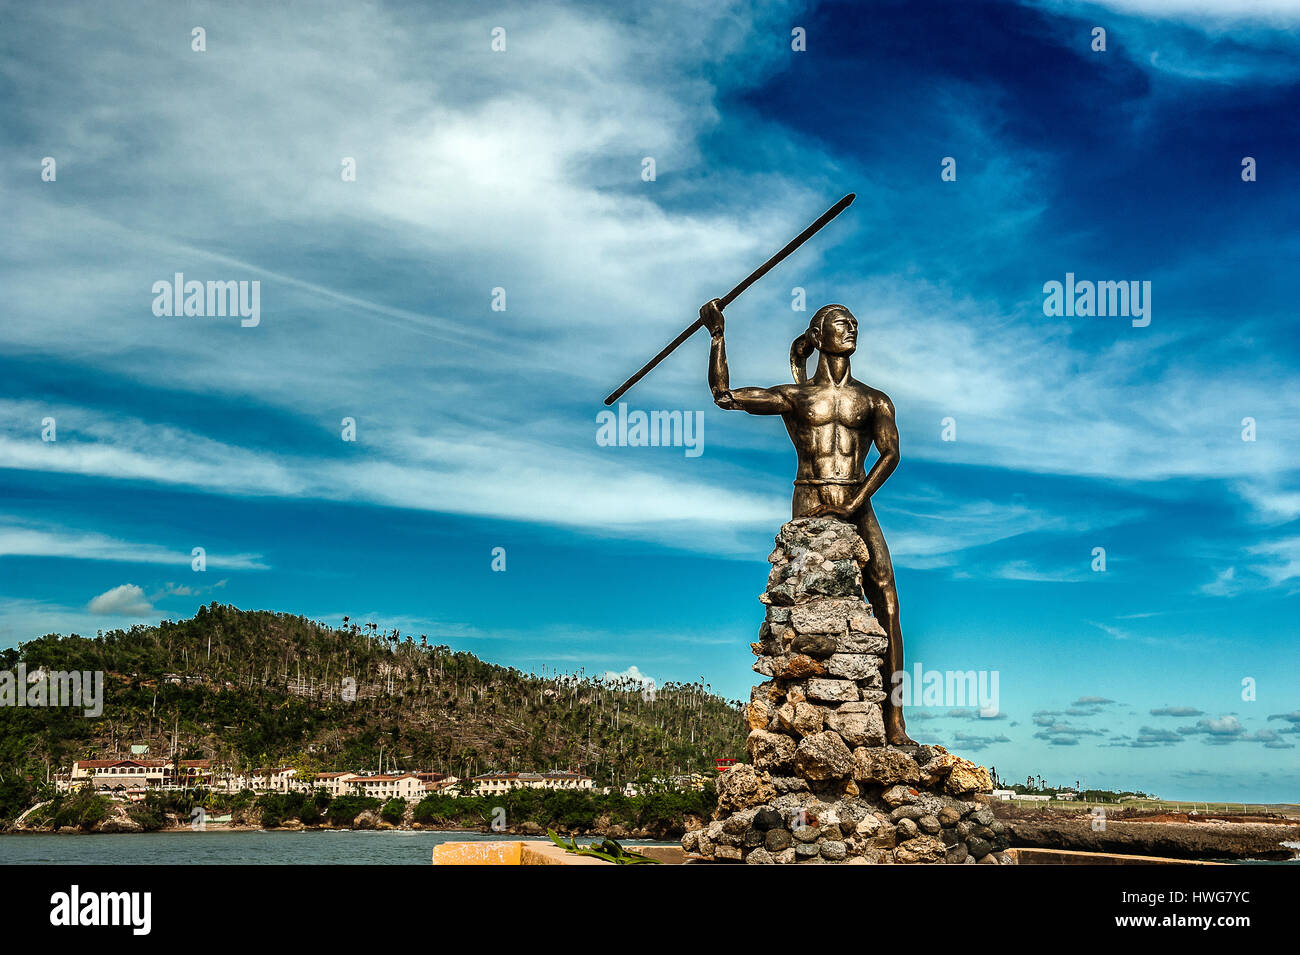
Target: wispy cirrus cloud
(25, 539)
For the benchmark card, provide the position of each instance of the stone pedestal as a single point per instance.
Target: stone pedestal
(821, 784)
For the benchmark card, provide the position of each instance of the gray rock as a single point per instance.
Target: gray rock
(856, 707)
(898, 796)
(767, 818)
(928, 824)
(852, 666)
(770, 751)
(778, 840)
(789, 784)
(948, 816)
(742, 787)
(828, 615)
(834, 850)
(738, 822)
(806, 834)
(759, 856)
(859, 729)
(919, 850)
(852, 812)
(819, 645)
(823, 756)
(843, 579)
(843, 691)
(868, 826)
(855, 641)
(884, 767)
(979, 847)
(806, 850)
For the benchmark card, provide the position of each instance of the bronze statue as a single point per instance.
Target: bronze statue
(833, 419)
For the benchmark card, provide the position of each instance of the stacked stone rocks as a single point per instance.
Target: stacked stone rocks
(822, 785)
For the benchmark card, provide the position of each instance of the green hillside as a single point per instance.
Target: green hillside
(252, 688)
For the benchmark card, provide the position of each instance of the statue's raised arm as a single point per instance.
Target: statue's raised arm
(753, 400)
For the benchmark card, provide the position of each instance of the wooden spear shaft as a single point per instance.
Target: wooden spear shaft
(731, 296)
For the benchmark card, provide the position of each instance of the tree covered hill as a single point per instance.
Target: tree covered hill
(252, 688)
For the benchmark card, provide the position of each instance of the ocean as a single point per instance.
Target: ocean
(328, 847)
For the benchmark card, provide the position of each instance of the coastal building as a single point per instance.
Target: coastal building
(133, 777)
(404, 786)
(279, 780)
(489, 784)
(334, 783)
(128, 774)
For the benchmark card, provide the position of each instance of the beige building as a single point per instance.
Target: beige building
(131, 774)
(334, 783)
(490, 784)
(404, 786)
(280, 780)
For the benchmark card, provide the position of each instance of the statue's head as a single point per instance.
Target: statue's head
(832, 330)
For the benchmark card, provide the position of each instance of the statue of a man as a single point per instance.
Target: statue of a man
(833, 420)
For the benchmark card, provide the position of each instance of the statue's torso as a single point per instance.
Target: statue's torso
(832, 428)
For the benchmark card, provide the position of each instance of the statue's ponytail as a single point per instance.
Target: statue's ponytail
(806, 344)
(800, 349)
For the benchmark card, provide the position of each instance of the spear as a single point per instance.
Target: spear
(731, 296)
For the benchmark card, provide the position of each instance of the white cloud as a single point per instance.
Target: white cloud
(1279, 11)
(125, 600)
(1224, 584)
(25, 539)
(632, 674)
(1282, 559)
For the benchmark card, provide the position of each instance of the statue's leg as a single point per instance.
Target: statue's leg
(881, 592)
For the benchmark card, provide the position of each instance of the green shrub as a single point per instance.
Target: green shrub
(344, 810)
(393, 811)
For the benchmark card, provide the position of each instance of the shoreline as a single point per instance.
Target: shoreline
(511, 833)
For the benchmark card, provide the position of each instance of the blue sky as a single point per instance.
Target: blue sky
(476, 428)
